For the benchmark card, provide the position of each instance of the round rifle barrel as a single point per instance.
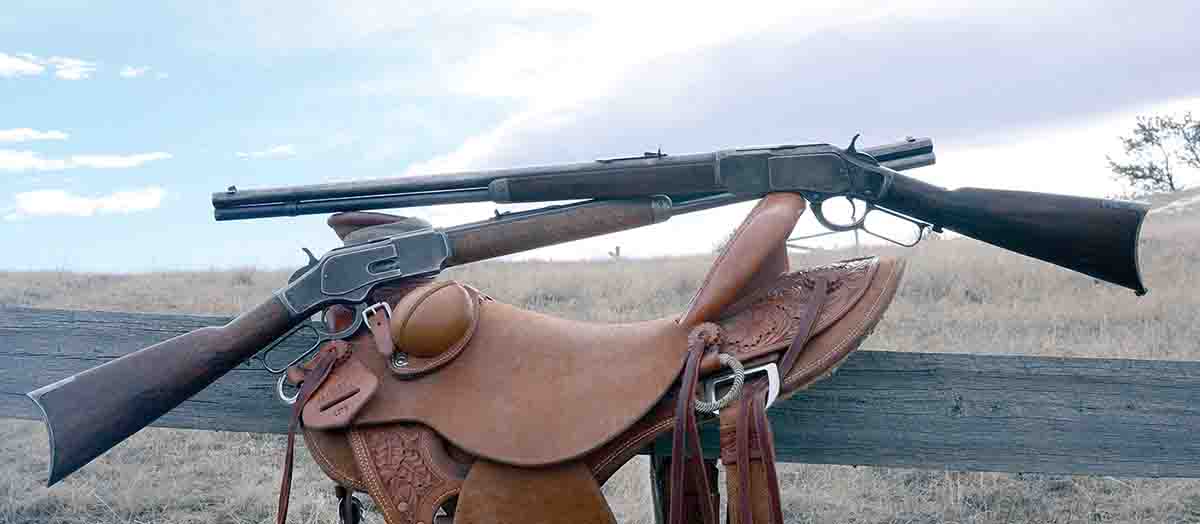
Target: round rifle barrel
(911, 147)
(479, 179)
(465, 187)
(454, 181)
(911, 162)
(317, 207)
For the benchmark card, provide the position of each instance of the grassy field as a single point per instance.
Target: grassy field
(958, 296)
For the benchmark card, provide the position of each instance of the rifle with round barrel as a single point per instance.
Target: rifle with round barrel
(681, 176)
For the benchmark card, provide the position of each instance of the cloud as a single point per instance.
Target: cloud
(68, 68)
(537, 49)
(542, 60)
(966, 76)
(18, 161)
(141, 71)
(133, 72)
(25, 134)
(13, 66)
(65, 68)
(28, 161)
(280, 151)
(117, 161)
(57, 202)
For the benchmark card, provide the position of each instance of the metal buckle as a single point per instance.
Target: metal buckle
(375, 308)
(712, 384)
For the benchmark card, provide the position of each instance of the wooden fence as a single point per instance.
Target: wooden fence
(925, 410)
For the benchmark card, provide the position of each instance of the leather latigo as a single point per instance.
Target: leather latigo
(476, 405)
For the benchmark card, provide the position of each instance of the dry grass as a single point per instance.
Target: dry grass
(959, 296)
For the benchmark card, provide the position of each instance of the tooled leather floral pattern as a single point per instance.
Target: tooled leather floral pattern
(404, 469)
(767, 319)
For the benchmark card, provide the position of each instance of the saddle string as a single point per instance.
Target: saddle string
(807, 324)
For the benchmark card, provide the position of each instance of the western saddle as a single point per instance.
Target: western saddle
(454, 401)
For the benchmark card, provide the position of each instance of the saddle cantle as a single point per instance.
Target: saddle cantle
(470, 404)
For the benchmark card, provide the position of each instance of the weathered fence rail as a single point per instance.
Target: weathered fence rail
(926, 410)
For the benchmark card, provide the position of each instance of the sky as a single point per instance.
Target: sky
(118, 120)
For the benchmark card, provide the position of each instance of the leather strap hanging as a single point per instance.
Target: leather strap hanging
(686, 455)
(322, 365)
(747, 445)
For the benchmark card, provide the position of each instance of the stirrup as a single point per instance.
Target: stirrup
(350, 509)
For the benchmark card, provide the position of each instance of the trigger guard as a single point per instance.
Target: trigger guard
(321, 335)
(355, 325)
(815, 204)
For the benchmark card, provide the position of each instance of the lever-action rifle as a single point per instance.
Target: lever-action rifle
(90, 412)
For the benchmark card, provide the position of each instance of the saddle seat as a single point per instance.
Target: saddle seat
(528, 389)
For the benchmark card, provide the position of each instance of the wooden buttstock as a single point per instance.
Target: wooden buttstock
(1096, 237)
(88, 413)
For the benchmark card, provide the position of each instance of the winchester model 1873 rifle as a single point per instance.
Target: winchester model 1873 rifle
(90, 412)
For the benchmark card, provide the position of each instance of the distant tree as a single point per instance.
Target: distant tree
(1156, 142)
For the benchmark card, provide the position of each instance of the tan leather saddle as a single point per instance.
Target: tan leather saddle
(454, 401)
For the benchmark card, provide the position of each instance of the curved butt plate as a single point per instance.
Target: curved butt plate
(57, 469)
